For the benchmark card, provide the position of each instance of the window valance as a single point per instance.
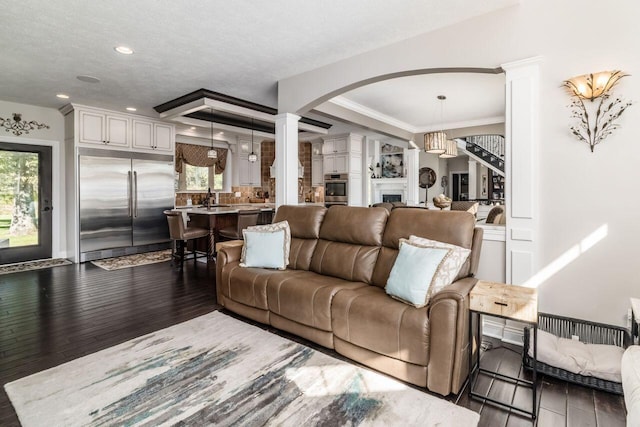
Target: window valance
(196, 155)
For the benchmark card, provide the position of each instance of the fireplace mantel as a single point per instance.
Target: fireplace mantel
(382, 186)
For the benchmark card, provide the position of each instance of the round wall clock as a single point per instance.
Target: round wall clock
(426, 177)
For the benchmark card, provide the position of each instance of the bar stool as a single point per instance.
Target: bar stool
(246, 218)
(181, 235)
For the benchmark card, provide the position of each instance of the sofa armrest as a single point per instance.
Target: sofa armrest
(449, 337)
(458, 290)
(225, 256)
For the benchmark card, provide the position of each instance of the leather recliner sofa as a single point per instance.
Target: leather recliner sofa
(332, 292)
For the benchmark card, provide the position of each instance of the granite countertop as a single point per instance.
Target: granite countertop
(229, 209)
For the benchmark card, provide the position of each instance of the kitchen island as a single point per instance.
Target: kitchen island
(218, 217)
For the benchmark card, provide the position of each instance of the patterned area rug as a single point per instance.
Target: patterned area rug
(217, 370)
(133, 260)
(33, 265)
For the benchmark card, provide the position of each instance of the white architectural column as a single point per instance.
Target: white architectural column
(473, 179)
(286, 163)
(412, 165)
(522, 169)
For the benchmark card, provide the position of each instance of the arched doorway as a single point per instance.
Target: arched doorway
(521, 133)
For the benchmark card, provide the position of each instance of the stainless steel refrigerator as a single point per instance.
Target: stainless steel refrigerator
(122, 199)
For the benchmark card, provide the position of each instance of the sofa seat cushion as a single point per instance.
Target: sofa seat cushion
(306, 297)
(369, 318)
(248, 285)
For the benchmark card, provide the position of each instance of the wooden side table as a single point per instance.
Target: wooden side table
(507, 302)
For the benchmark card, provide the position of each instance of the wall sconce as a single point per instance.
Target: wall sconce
(596, 122)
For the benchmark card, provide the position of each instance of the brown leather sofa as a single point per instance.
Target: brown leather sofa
(332, 292)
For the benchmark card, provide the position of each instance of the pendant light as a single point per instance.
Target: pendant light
(212, 153)
(451, 151)
(436, 142)
(253, 157)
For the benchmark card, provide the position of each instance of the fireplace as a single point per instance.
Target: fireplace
(389, 190)
(390, 198)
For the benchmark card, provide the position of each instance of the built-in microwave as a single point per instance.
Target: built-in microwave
(336, 187)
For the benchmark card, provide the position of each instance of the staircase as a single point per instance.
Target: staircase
(488, 149)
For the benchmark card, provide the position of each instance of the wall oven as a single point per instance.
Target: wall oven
(336, 187)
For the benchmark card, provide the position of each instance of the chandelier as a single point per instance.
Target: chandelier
(436, 142)
(451, 150)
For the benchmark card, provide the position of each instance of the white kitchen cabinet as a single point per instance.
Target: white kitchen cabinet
(335, 145)
(148, 135)
(249, 172)
(117, 131)
(343, 155)
(108, 129)
(336, 163)
(243, 148)
(316, 149)
(163, 136)
(142, 134)
(355, 189)
(317, 171)
(103, 129)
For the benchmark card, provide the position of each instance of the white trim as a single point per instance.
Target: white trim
(196, 140)
(522, 168)
(57, 166)
(393, 186)
(178, 113)
(495, 233)
(370, 112)
(344, 102)
(463, 124)
(188, 121)
(286, 162)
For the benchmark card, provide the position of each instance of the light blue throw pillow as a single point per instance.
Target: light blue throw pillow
(413, 272)
(265, 249)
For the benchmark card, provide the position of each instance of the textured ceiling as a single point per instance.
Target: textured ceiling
(472, 99)
(241, 47)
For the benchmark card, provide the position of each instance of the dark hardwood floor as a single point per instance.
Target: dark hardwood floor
(52, 316)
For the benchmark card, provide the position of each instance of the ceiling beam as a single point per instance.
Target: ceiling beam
(341, 113)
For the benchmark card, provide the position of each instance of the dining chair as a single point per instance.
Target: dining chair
(181, 234)
(246, 218)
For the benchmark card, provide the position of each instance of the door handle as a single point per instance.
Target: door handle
(47, 208)
(135, 194)
(129, 192)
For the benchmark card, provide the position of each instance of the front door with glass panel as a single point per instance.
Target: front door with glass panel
(25, 202)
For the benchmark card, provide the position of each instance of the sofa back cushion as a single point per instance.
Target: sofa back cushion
(350, 239)
(304, 222)
(454, 227)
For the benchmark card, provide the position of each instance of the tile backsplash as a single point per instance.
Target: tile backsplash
(247, 194)
(250, 194)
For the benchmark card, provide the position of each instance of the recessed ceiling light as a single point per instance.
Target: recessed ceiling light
(62, 96)
(88, 79)
(125, 50)
(220, 133)
(192, 128)
(131, 109)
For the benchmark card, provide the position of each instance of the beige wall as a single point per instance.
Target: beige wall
(588, 213)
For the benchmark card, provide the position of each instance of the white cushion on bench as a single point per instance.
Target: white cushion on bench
(596, 360)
